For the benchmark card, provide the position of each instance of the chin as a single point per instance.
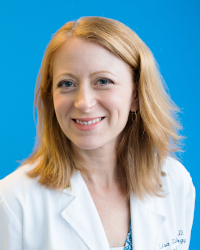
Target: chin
(86, 145)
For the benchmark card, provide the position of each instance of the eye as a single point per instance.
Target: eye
(65, 83)
(104, 81)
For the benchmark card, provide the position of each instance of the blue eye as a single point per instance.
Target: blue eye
(65, 83)
(104, 81)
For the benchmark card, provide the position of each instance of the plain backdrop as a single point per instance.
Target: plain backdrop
(171, 29)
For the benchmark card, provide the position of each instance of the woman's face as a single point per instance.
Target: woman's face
(92, 93)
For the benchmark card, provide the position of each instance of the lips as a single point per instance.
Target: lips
(88, 121)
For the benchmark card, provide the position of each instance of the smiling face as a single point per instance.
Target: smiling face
(93, 94)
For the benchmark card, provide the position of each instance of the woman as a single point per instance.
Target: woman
(100, 176)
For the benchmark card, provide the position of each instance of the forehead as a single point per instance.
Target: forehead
(77, 53)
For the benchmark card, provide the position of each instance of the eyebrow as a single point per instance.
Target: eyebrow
(102, 71)
(65, 74)
(96, 72)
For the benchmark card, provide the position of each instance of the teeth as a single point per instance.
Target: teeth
(89, 122)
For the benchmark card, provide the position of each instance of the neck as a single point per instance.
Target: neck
(101, 166)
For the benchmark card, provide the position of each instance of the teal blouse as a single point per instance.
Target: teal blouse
(128, 245)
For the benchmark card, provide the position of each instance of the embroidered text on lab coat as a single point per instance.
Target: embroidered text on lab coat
(179, 239)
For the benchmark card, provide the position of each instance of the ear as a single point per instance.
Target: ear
(135, 101)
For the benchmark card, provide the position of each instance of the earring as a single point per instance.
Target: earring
(134, 116)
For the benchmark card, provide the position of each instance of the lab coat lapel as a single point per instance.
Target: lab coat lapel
(146, 223)
(82, 215)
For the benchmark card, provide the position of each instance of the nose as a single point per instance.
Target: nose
(85, 100)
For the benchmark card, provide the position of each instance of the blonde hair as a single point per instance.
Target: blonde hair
(145, 142)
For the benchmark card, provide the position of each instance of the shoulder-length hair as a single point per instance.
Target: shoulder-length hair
(147, 139)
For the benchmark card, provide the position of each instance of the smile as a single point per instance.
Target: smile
(93, 121)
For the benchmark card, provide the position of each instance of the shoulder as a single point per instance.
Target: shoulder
(18, 180)
(18, 192)
(15, 190)
(177, 178)
(21, 196)
(16, 186)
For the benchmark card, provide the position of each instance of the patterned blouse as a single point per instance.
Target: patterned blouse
(128, 245)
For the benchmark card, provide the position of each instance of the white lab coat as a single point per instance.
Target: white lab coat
(33, 217)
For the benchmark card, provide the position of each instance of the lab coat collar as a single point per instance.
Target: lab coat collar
(146, 222)
(82, 215)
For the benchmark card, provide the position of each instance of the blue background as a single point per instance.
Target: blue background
(170, 28)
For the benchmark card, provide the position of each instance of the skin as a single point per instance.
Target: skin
(90, 82)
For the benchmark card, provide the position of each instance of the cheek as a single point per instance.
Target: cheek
(119, 102)
(61, 105)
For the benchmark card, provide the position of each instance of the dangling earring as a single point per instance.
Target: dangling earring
(134, 116)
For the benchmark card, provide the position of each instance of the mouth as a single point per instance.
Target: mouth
(88, 121)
